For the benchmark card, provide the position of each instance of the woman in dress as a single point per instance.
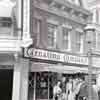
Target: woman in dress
(69, 90)
(57, 91)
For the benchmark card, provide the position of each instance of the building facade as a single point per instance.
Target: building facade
(42, 41)
(11, 42)
(57, 31)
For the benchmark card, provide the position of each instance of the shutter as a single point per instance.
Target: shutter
(43, 33)
(59, 38)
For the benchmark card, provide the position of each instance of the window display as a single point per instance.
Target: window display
(45, 85)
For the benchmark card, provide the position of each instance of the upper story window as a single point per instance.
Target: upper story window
(8, 26)
(5, 22)
(37, 25)
(52, 31)
(78, 41)
(5, 27)
(96, 15)
(65, 32)
(98, 41)
(36, 29)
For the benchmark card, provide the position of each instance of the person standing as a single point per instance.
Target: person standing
(69, 90)
(57, 91)
(83, 92)
(76, 90)
(95, 89)
(63, 87)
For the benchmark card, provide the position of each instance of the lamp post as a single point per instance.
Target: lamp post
(89, 30)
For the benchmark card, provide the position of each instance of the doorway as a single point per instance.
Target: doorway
(6, 83)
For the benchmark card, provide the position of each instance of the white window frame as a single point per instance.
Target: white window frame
(38, 31)
(96, 15)
(78, 31)
(97, 41)
(68, 39)
(55, 35)
(6, 31)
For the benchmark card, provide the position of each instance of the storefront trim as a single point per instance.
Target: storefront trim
(43, 67)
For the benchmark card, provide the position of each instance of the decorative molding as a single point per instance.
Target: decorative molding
(79, 30)
(67, 25)
(67, 7)
(52, 21)
(59, 13)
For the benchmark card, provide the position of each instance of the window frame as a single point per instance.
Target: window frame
(38, 32)
(68, 38)
(6, 24)
(79, 42)
(97, 40)
(55, 35)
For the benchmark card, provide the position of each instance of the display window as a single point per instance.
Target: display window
(41, 85)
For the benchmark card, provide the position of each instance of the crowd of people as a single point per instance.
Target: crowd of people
(75, 89)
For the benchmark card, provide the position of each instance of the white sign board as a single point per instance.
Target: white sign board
(54, 56)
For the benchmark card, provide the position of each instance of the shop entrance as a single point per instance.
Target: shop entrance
(6, 81)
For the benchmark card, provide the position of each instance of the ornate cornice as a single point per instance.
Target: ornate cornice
(65, 9)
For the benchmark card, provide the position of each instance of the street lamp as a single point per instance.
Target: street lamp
(89, 30)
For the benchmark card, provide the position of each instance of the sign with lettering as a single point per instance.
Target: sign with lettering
(54, 56)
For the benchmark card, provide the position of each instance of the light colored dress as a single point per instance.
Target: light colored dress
(77, 88)
(69, 91)
(57, 92)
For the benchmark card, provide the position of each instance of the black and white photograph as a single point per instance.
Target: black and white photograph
(49, 49)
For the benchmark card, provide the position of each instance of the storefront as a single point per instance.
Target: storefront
(41, 82)
(6, 75)
(46, 67)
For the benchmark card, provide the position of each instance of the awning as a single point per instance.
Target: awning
(41, 67)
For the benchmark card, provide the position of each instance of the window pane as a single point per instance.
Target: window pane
(98, 41)
(5, 27)
(97, 16)
(65, 37)
(42, 86)
(36, 31)
(45, 82)
(78, 41)
(37, 25)
(52, 35)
